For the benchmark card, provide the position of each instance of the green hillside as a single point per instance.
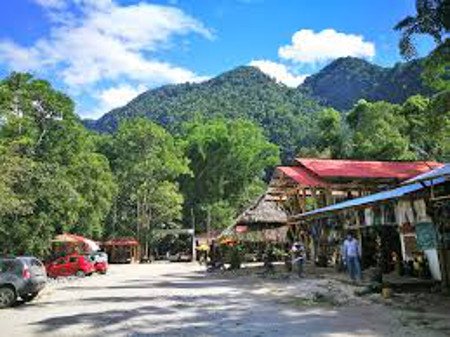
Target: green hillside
(286, 114)
(343, 82)
(244, 92)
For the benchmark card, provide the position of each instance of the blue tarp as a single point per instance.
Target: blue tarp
(387, 195)
(433, 174)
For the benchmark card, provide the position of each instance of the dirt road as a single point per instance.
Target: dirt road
(181, 300)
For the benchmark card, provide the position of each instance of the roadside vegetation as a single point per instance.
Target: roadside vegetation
(205, 162)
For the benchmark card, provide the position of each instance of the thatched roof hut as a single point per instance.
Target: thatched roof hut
(263, 212)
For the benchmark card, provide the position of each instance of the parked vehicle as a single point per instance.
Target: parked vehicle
(22, 277)
(79, 265)
(180, 257)
(100, 260)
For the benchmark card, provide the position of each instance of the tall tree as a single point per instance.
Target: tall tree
(377, 132)
(227, 159)
(47, 158)
(433, 19)
(146, 161)
(331, 133)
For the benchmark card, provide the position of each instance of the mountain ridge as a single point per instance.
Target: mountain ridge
(344, 81)
(286, 114)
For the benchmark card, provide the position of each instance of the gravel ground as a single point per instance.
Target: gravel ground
(182, 300)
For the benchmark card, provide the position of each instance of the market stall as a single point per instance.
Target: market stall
(122, 250)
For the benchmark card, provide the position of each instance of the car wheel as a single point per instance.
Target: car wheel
(80, 273)
(7, 297)
(29, 297)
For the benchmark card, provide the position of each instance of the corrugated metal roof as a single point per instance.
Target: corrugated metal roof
(366, 169)
(440, 172)
(370, 199)
(302, 176)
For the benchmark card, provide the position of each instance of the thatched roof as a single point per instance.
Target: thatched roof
(263, 211)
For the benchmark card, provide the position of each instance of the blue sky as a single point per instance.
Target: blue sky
(105, 52)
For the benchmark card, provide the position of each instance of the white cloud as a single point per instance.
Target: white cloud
(279, 71)
(106, 42)
(310, 47)
(93, 42)
(117, 96)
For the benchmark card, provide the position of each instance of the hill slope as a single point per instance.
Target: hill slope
(244, 92)
(286, 114)
(346, 80)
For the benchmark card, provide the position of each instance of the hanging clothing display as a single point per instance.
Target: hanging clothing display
(404, 212)
(368, 215)
(421, 211)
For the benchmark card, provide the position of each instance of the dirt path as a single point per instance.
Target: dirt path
(180, 300)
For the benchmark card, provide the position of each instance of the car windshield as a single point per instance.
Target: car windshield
(34, 263)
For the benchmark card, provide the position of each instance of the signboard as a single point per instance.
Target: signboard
(426, 236)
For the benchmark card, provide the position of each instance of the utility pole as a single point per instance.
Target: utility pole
(194, 250)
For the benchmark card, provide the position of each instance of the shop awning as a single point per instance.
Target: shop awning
(373, 198)
(73, 238)
(443, 171)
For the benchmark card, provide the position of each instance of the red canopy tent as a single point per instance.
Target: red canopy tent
(70, 243)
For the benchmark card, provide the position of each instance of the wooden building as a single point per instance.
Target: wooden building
(312, 183)
(122, 250)
(411, 221)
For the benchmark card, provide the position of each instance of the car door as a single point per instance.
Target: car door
(59, 267)
(73, 265)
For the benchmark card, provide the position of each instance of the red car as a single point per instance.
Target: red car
(101, 267)
(100, 261)
(79, 265)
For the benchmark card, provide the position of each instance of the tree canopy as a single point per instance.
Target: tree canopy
(52, 178)
(433, 19)
(228, 159)
(146, 161)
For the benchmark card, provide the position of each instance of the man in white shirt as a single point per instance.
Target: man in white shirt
(352, 255)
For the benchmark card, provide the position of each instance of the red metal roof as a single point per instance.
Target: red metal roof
(121, 242)
(366, 169)
(302, 176)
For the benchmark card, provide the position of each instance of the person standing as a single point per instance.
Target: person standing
(298, 258)
(352, 256)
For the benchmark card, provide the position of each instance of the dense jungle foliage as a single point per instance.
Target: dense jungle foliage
(198, 154)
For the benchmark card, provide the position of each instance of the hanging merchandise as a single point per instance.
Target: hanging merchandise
(404, 212)
(399, 213)
(368, 215)
(389, 213)
(377, 216)
(426, 236)
(421, 211)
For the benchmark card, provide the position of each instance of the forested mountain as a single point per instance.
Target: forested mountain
(343, 82)
(245, 92)
(286, 114)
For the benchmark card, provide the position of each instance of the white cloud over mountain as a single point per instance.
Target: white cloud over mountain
(117, 96)
(308, 46)
(279, 71)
